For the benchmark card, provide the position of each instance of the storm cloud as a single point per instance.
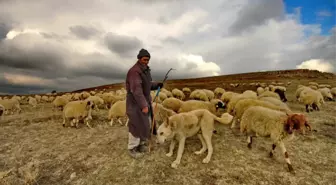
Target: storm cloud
(84, 43)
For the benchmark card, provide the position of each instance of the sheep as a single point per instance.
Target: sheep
(186, 90)
(226, 97)
(11, 105)
(161, 113)
(324, 86)
(273, 88)
(269, 94)
(172, 103)
(199, 94)
(197, 104)
(83, 95)
(243, 104)
(250, 93)
(78, 110)
(117, 110)
(162, 96)
(2, 111)
(333, 92)
(60, 102)
(311, 98)
(110, 99)
(326, 93)
(313, 84)
(313, 87)
(260, 90)
(168, 93)
(178, 94)
(218, 92)
(97, 101)
(209, 94)
(299, 90)
(275, 124)
(275, 101)
(32, 101)
(236, 98)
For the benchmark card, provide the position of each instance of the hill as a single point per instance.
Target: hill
(225, 80)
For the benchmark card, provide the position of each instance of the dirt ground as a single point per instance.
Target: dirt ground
(36, 149)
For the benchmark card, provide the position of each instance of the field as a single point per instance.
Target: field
(36, 149)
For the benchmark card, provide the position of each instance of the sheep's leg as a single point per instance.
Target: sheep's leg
(112, 121)
(284, 151)
(171, 148)
(126, 124)
(76, 122)
(63, 124)
(120, 121)
(272, 151)
(233, 122)
(207, 137)
(179, 152)
(87, 123)
(249, 141)
(204, 146)
(307, 108)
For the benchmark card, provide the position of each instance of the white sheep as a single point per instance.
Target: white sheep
(84, 95)
(311, 98)
(333, 92)
(168, 93)
(273, 88)
(226, 97)
(118, 110)
(110, 99)
(32, 101)
(97, 101)
(219, 92)
(191, 105)
(236, 98)
(209, 94)
(275, 101)
(186, 90)
(260, 90)
(177, 93)
(11, 105)
(172, 104)
(324, 86)
(269, 94)
(78, 110)
(326, 93)
(199, 94)
(313, 84)
(60, 102)
(161, 113)
(299, 90)
(243, 104)
(277, 125)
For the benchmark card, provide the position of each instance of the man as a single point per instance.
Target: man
(138, 104)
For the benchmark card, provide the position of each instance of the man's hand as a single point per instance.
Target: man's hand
(160, 85)
(145, 110)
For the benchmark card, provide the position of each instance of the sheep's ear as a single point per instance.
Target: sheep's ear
(88, 103)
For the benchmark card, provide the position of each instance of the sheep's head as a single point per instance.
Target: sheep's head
(295, 122)
(282, 95)
(165, 131)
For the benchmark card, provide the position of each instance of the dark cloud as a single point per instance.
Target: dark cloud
(124, 46)
(84, 32)
(256, 13)
(19, 53)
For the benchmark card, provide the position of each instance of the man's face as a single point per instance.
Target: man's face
(144, 60)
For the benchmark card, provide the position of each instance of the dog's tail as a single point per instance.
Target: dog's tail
(226, 118)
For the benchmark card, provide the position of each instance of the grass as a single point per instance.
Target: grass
(36, 149)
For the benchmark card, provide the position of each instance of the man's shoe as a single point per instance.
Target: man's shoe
(142, 148)
(135, 153)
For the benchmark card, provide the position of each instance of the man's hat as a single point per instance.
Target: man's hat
(143, 53)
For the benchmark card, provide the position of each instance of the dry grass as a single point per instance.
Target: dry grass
(36, 149)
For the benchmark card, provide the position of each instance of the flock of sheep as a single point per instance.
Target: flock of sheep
(262, 112)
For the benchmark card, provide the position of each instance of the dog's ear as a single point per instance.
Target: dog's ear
(166, 122)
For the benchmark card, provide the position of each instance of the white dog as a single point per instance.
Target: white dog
(183, 125)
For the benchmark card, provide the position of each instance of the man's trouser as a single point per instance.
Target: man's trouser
(134, 141)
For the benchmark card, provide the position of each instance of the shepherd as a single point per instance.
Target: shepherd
(138, 104)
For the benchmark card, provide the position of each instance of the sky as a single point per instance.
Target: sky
(64, 45)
